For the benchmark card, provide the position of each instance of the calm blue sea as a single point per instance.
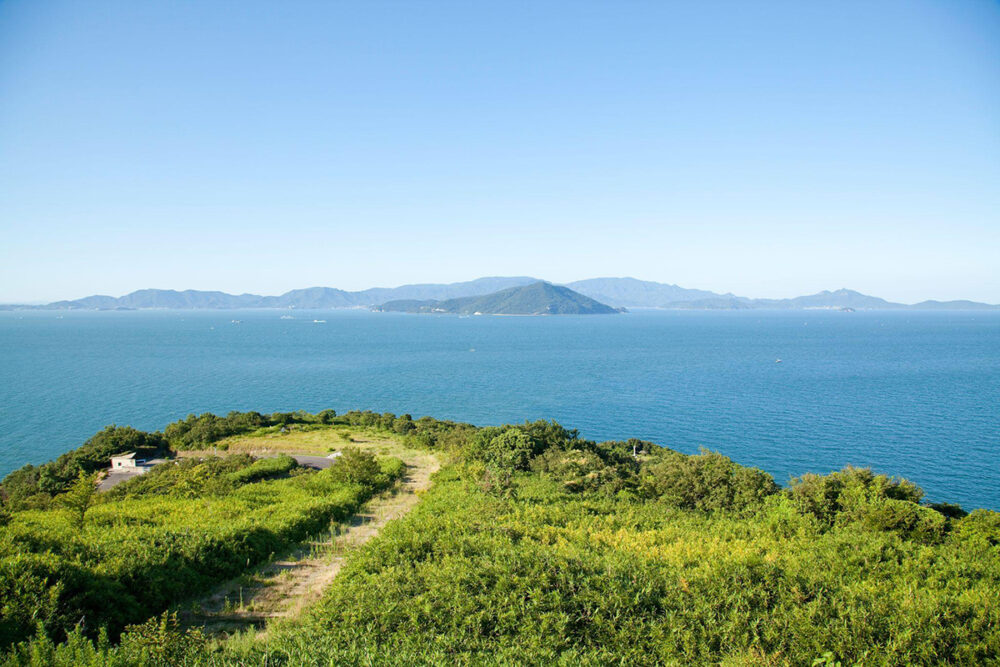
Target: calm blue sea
(915, 394)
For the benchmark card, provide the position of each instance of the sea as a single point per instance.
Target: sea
(912, 394)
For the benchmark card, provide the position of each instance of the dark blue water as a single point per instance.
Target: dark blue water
(913, 394)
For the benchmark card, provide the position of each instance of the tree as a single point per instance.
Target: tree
(79, 498)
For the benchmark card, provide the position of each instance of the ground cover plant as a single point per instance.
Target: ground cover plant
(125, 555)
(535, 546)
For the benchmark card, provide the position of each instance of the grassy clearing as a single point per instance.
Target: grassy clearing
(316, 440)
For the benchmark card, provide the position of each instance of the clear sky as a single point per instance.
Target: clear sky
(764, 148)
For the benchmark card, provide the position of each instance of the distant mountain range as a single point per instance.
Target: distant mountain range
(539, 298)
(309, 298)
(614, 292)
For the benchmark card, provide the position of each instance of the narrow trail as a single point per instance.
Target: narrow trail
(284, 588)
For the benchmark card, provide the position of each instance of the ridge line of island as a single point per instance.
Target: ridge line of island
(520, 295)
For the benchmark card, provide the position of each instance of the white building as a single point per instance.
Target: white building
(128, 463)
(126, 460)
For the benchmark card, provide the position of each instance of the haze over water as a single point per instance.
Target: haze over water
(911, 394)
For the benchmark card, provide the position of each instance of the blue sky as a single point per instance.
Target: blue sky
(768, 149)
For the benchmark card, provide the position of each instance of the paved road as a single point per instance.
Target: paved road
(317, 462)
(114, 479)
(118, 476)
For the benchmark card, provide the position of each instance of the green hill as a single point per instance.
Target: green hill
(533, 546)
(539, 298)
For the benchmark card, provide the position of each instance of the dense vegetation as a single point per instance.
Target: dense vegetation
(35, 486)
(123, 556)
(536, 546)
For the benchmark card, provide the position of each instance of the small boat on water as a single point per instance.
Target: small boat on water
(777, 361)
(319, 321)
(237, 322)
(286, 317)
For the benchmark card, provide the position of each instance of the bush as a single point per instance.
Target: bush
(583, 471)
(545, 577)
(263, 469)
(184, 478)
(707, 481)
(902, 516)
(826, 495)
(982, 526)
(354, 466)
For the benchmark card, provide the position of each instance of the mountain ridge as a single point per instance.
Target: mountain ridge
(615, 292)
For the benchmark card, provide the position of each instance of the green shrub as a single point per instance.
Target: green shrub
(707, 481)
(982, 526)
(583, 471)
(390, 469)
(263, 469)
(826, 496)
(355, 466)
(910, 520)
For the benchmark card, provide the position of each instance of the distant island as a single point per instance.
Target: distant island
(539, 298)
(611, 292)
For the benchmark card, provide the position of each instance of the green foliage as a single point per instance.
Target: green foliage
(355, 466)
(78, 499)
(391, 468)
(326, 416)
(950, 510)
(263, 469)
(845, 495)
(707, 482)
(550, 577)
(403, 425)
(164, 537)
(511, 449)
(585, 471)
(577, 553)
(184, 478)
(197, 431)
(33, 486)
(159, 642)
(981, 527)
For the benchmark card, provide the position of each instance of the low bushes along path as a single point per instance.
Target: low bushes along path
(283, 588)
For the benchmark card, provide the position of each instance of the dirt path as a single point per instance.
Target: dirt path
(282, 589)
